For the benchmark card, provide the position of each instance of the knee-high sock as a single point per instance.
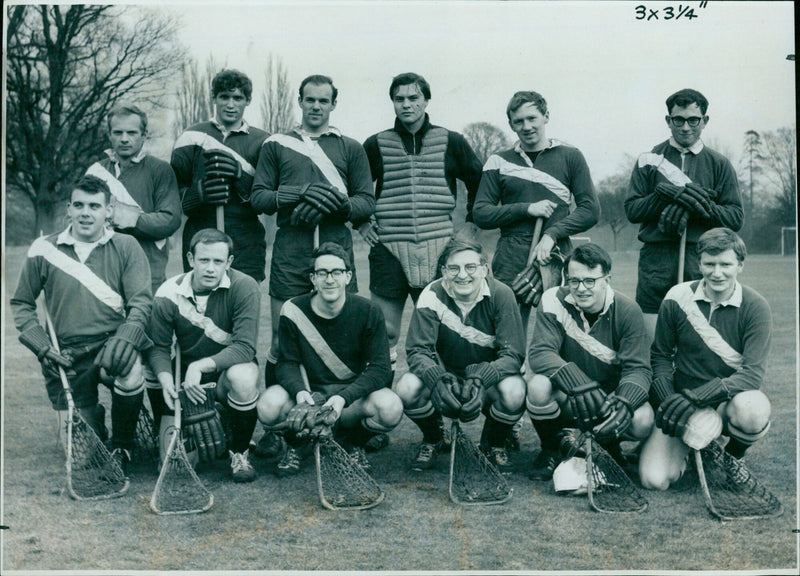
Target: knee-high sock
(429, 422)
(125, 406)
(243, 417)
(547, 421)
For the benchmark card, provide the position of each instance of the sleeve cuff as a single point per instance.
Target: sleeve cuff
(709, 394)
(289, 195)
(191, 200)
(569, 377)
(431, 375)
(135, 335)
(634, 394)
(663, 388)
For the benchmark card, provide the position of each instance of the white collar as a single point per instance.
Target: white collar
(185, 287)
(136, 159)
(244, 128)
(734, 300)
(695, 148)
(331, 130)
(66, 237)
(483, 293)
(609, 300)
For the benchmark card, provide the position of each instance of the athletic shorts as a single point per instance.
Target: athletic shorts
(658, 270)
(386, 276)
(84, 390)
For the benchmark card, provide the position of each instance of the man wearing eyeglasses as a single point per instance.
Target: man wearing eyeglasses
(339, 340)
(466, 329)
(590, 361)
(680, 187)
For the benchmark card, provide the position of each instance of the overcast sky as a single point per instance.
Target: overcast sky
(604, 73)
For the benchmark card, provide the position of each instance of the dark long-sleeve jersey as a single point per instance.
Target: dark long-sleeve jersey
(612, 351)
(226, 331)
(347, 355)
(460, 162)
(706, 167)
(696, 342)
(488, 342)
(109, 293)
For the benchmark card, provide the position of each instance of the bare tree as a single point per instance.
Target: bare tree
(67, 66)
(779, 170)
(611, 193)
(750, 161)
(277, 100)
(485, 139)
(193, 95)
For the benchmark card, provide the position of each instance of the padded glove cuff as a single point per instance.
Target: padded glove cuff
(485, 371)
(632, 394)
(709, 394)
(135, 335)
(569, 377)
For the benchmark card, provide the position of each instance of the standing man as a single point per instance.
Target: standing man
(215, 162)
(710, 351)
(415, 166)
(466, 327)
(590, 361)
(146, 202)
(680, 187)
(212, 312)
(539, 177)
(97, 291)
(339, 340)
(316, 180)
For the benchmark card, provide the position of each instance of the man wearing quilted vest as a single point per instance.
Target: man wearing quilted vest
(415, 166)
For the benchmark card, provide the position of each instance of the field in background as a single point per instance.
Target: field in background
(275, 524)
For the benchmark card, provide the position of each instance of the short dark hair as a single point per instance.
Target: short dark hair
(330, 249)
(92, 185)
(523, 97)
(687, 97)
(229, 80)
(319, 79)
(718, 240)
(210, 236)
(407, 78)
(590, 255)
(128, 110)
(458, 244)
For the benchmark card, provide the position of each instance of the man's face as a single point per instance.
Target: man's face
(88, 214)
(210, 262)
(229, 107)
(316, 104)
(686, 135)
(464, 272)
(127, 138)
(588, 299)
(529, 125)
(410, 105)
(330, 278)
(720, 272)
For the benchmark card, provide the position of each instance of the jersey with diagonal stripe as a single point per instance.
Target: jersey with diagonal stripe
(441, 338)
(730, 342)
(87, 301)
(707, 168)
(347, 355)
(611, 351)
(227, 331)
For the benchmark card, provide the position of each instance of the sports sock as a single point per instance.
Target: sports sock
(496, 432)
(124, 417)
(736, 448)
(243, 418)
(270, 377)
(431, 427)
(548, 431)
(159, 406)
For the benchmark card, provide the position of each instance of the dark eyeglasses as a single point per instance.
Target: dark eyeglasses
(588, 282)
(692, 121)
(323, 274)
(454, 270)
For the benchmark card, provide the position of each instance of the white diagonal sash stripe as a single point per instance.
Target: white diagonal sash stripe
(450, 319)
(317, 342)
(313, 151)
(118, 191)
(80, 272)
(665, 168)
(530, 174)
(683, 296)
(206, 142)
(187, 310)
(551, 304)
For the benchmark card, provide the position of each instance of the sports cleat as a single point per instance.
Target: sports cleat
(269, 446)
(359, 456)
(426, 457)
(736, 471)
(241, 469)
(122, 456)
(544, 465)
(499, 457)
(377, 442)
(289, 464)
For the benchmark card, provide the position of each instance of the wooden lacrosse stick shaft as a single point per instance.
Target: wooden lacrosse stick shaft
(221, 218)
(537, 232)
(681, 257)
(177, 402)
(54, 342)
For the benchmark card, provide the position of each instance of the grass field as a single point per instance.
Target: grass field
(275, 524)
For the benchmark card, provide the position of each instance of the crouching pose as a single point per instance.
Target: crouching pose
(710, 350)
(467, 327)
(589, 359)
(97, 288)
(212, 311)
(334, 351)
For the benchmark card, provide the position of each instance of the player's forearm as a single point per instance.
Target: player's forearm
(236, 353)
(159, 225)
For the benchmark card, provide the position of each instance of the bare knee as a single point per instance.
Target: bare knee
(540, 390)
(749, 411)
(272, 403)
(133, 381)
(409, 388)
(512, 393)
(242, 381)
(642, 422)
(388, 407)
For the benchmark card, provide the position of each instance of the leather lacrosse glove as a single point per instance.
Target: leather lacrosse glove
(117, 356)
(674, 413)
(585, 398)
(296, 418)
(709, 394)
(620, 416)
(305, 214)
(443, 395)
(202, 422)
(323, 197)
(688, 198)
(470, 394)
(214, 192)
(673, 220)
(35, 339)
(527, 285)
(220, 164)
(322, 427)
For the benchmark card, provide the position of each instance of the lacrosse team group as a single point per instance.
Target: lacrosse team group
(642, 371)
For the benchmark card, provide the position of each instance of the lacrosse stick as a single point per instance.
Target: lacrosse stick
(528, 282)
(681, 257)
(178, 489)
(92, 474)
(221, 218)
(730, 490)
(146, 449)
(473, 478)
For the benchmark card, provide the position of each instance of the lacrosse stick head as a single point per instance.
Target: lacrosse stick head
(178, 489)
(473, 478)
(610, 488)
(92, 474)
(341, 482)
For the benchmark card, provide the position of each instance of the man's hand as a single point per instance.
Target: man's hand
(168, 389)
(305, 214)
(117, 356)
(673, 220)
(542, 208)
(369, 232)
(324, 197)
(191, 384)
(619, 418)
(35, 339)
(221, 164)
(443, 395)
(585, 398)
(471, 396)
(674, 413)
(543, 249)
(215, 191)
